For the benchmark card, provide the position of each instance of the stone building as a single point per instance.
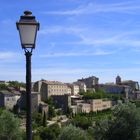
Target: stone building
(74, 88)
(100, 104)
(37, 86)
(112, 88)
(35, 100)
(118, 80)
(90, 82)
(43, 107)
(8, 99)
(91, 106)
(49, 88)
(69, 90)
(133, 84)
(82, 86)
(62, 101)
(84, 107)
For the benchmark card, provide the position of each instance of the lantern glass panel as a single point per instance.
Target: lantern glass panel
(27, 35)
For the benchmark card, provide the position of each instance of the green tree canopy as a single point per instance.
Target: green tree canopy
(73, 133)
(124, 124)
(37, 119)
(9, 126)
(82, 122)
(50, 132)
(51, 112)
(17, 84)
(3, 86)
(101, 94)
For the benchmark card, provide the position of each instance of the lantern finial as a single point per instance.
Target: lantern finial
(28, 13)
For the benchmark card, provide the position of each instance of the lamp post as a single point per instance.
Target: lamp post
(28, 27)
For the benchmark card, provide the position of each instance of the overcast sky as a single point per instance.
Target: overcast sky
(77, 38)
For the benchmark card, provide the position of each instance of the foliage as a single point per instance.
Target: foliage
(44, 119)
(9, 126)
(49, 101)
(1, 110)
(123, 125)
(16, 109)
(69, 112)
(17, 84)
(51, 112)
(3, 86)
(36, 137)
(136, 102)
(59, 112)
(98, 115)
(73, 133)
(101, 94)
(82, 92)
(92, 96)
(82, 121)
(49, 133)
(37, 119)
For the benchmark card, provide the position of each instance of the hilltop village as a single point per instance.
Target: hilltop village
(81, 104)
(84, 95)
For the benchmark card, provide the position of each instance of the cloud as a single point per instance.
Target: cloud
(8, 55)
(119, 39)
(92, 8)
(61, 29)
(9, 59)
(85, 36)
(70, 54)
(104, 38)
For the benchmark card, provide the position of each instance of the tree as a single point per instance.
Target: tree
(49, 133)
(69, 112)
(73, 133)
(51, 112)
(3, 86)
(50, 101)
(124, 124)
(100, 94)
(82, 122)
(9, 127)
(17, 84)
(37, 119)
(44, 119)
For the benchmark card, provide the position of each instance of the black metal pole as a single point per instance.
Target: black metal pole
(28, 96)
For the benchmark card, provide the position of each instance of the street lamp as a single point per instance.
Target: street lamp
(28, 27)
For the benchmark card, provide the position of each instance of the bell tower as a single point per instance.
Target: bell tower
(118, 80)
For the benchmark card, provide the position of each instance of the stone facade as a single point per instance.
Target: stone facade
(91, 82)
(43, 107)
(37, 86)
(118, 80)
(62, 101)
(82, 86)
(91, 106)
(35, 99)
(74, 89)
(133, 84)
(50, 88)
(99, 105)
(112, 88)
(8, 99)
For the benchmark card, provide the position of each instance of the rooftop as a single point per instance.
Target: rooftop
(53, 82)
(6, 92)
(128, 81)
